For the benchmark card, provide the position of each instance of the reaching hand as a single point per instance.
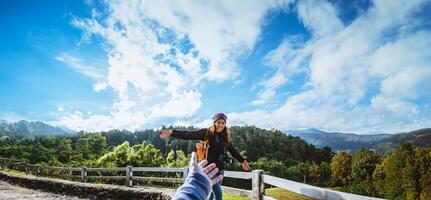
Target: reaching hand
(209, 171)
(165, 133)
(245, 165)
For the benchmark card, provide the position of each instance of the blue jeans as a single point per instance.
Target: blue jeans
(216, 192)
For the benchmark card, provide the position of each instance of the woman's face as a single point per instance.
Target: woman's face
(219, 125)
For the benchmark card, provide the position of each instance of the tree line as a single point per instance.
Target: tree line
(402, 174)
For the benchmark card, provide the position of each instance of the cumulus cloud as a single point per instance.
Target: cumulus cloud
(160, 53)
(364, 76)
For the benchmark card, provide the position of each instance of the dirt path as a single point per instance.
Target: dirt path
(8, 191)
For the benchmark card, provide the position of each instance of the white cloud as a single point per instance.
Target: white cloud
(100, 86)
(220, 30)
(154, 74)
(404, 66)
(358, 78)
(287, 60)
(319, 16)
(79, 65)
(270, 86)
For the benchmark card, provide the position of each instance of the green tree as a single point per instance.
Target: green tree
(341, 167)
(398, 176)
(146, 155)
(176, 159)
(271, 166)
(319, 174)
(299, 172)
(364, 162)
(91, 146)
(64, 150)
(120, 156)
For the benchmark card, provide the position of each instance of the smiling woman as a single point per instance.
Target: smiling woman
(219, 140)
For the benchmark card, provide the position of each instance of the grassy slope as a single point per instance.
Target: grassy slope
(276, 193)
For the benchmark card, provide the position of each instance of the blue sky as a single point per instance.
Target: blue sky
(353, 66)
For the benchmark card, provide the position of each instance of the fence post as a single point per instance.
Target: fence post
(129, 176)
(26, 169)
(83, 174)
(37, 171)
(185, 173)
(256, 187)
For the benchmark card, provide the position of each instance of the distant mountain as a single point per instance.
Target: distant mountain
(419, 138)
(338, 141)
(31, 129)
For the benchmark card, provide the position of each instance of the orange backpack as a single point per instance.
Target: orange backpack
(202, 150)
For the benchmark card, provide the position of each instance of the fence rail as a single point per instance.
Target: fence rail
(312, 191)
(118, 169)
(258, 179)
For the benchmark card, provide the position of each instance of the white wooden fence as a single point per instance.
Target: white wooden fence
(258, 178)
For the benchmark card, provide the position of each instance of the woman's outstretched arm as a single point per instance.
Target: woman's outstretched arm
(185, 135)
(238, 156)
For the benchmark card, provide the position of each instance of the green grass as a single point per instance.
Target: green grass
(228, 196)
(276, 193)
(282, 194)
(11, 171)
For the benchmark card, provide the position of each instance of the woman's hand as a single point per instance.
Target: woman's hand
(165, 134)
(245, 165)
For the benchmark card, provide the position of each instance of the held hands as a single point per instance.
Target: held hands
(165, 133)
(208, 172)
(245, 165)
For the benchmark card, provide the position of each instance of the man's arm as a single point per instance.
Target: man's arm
(198, 184)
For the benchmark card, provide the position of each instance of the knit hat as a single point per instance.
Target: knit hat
(218, 116)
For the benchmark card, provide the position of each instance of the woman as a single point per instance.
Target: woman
(218, 136)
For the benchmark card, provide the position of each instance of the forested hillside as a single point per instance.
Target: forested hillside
(401, 174)
(419, 138)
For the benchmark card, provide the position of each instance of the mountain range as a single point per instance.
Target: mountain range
(338, 141)
(350, 142)
(31, 129)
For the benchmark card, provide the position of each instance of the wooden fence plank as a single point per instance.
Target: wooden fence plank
(240, 175)
(157, 169)
(107, 177)
(312, 191)
(118, 169)
(64, 168)
(159, 179)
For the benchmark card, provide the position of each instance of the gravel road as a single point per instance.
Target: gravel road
(8, 191)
